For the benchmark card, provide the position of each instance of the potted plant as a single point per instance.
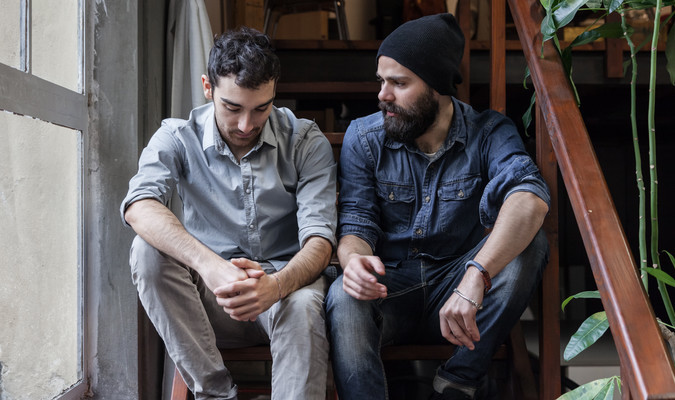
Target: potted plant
(559, 14)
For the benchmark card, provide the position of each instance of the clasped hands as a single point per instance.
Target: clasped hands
(242, 288)
(457, 316)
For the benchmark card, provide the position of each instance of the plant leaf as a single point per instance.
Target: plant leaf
(527, 116)
(591, 294)
(670, 56)
(566, 11)
(527, 75)
(588, 333)
(601, 389)
(672, 259)
(614, 5)
(609, 30)
(660, 275)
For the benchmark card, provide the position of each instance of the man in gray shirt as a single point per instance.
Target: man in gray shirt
(244, 265)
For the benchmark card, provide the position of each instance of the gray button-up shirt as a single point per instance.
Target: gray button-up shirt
(263, 207)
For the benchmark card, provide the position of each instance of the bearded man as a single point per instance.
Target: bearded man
(420, 184)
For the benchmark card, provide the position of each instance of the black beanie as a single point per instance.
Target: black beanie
(431, 47)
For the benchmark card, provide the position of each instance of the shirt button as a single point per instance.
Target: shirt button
(391, 196)
(460, 194)
(251, 226)
(427, 199)
(248, 191)
(418, 231)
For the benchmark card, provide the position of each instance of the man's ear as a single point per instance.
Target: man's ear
(206, 85)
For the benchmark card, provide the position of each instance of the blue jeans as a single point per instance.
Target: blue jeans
(416, 291)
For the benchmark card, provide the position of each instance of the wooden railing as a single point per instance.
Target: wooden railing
(564, 143)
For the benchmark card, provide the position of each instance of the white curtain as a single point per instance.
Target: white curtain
(189, 40)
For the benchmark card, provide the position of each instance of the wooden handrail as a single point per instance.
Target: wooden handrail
(647, 367)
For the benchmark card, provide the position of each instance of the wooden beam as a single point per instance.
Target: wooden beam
(647, 365)
(498, 56)
(549, 310)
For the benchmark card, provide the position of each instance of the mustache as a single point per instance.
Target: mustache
(391, 107)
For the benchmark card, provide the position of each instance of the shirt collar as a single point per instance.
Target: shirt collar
(212, 136)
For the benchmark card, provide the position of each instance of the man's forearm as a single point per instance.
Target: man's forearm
(158, 226)
(519, 220)
(350, 245)
(306, 265)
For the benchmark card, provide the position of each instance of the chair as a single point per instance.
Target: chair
(514, 377)
(179, 390)
(274, 9)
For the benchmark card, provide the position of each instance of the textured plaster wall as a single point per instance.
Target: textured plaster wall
(112, 149)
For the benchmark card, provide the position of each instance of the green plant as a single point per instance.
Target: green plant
(559, 13)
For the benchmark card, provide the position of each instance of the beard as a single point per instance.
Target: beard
(409, 124)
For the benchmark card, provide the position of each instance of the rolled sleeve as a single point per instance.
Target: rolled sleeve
(158, 171)
(521, 175)
(509, 167)
(317, 215)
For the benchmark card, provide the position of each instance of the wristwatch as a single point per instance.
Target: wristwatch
(483, 272)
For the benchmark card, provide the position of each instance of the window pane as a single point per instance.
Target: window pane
(40, 305)
(10, 32)
(55, 34)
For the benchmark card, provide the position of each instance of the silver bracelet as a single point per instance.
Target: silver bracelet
(278, 285)
(478, 306)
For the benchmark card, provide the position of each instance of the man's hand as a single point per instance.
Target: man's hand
(359, 280)
(458, 316)
(245, 299)
(223, 272)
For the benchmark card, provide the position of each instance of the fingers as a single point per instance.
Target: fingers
(232, 289)
(359, 280)
(245, 263)
(364, 290)
(252, 268)
(458, 323)
(239, 301)
(245, 312)
(254, 273)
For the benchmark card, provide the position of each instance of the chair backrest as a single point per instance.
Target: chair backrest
(274, 9)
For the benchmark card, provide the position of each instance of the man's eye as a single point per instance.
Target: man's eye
(232, 109)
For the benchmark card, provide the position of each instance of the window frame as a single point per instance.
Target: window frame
(28, 95)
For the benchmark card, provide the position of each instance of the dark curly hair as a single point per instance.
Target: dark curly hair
(245, 53)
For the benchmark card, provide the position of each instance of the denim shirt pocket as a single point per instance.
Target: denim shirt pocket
(396, 203)
(458, 202)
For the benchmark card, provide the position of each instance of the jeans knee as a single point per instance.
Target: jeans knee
(346, 314)
(336, 300)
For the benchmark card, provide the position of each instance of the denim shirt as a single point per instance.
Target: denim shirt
(406, 204)
(263, 207)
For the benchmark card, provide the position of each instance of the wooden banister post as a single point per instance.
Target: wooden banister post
(549, 314)
(464, 19)
(498, 56)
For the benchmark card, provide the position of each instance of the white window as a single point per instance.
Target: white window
(43, 124)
